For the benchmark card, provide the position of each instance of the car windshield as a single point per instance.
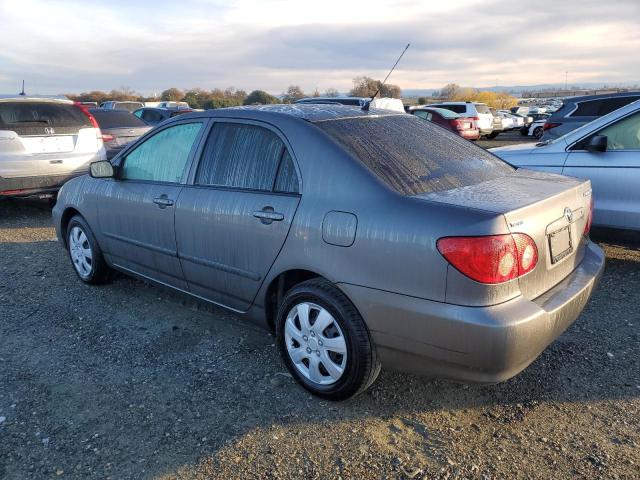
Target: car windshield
(413, 156)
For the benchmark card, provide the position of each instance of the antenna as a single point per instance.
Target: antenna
(365, 107)
(22, 92)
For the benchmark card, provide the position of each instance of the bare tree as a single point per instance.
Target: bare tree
(367, 87)
(293, 93)
(331, 92)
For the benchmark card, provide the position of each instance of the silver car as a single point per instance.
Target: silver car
(362, 238)
(607, 152)
(43, 143)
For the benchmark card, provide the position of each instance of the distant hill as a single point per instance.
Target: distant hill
(517, 89)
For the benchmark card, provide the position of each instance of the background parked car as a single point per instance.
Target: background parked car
(464, 126)
(173, 104)
(478, 111)
(537, 120)
(128, 106)
(518, 120)
(233, 223)
(154, 115)
(43, 143)
(119, 128)
(606, 151)
(577, 111)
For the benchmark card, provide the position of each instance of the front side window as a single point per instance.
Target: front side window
(623, 135)
(163, 157)
(240, 156)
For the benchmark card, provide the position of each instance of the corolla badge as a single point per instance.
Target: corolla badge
(568, 214)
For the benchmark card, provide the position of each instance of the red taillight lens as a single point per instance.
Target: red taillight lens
(550, 125)
(85, 110)
(457, 124)
(587, 225)
(107, 138)
(491, 259)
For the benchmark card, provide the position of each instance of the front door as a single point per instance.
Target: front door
(231, 225)
(137, 213)
(614, 174)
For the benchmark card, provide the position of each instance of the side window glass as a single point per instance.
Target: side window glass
(163, 157)
(587, 109)
(287, 179)
(138, 113)
(429, 116)
(421, 114)
(623, 135)
(240, 156)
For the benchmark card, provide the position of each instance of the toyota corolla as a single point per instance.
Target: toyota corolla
(362, 238)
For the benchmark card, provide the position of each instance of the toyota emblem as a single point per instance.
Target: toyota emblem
(568, 213)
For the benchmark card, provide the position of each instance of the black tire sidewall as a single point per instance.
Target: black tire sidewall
(354, 375)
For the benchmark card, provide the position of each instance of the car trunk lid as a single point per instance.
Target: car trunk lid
(551, 209)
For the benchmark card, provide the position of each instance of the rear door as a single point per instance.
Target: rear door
(45, 138)
(136, 211)
(614, 174)
(232, 223)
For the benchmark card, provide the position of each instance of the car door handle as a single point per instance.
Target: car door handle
(163, 202)
(268, 215)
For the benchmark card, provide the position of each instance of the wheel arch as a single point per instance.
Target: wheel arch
(65, 218)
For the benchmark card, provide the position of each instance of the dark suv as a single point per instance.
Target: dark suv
(578, 111)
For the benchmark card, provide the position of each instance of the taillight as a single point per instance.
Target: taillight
(491, 259)
(550, 125)
(587, 225)
(457, 124)
(107, 138)
(85, 110)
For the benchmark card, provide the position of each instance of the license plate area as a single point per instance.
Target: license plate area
(560, 244)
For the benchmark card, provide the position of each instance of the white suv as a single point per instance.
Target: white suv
(43, 143)
(478, 111)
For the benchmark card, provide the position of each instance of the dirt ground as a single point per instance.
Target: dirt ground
(130, 381)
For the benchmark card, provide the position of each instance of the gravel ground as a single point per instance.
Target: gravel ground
(132, 381)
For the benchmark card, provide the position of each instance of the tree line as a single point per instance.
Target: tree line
(455, 93)
(231, 97)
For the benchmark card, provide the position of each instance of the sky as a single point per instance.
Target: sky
(81, 45)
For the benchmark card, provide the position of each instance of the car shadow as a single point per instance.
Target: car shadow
(132, 380)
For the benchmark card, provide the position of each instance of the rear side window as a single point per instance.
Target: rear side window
(412, 156)
(481, 108)
(32, 118)
(240, 156)
(597, 108)
(163, 157)
(287, 179)
(116, 119)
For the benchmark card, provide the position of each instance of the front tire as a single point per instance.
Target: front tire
(324, 341)
(538, 132)
(84, 252)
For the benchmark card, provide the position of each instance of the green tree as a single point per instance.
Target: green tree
(260, 97)
(172, 95)
(422, 100)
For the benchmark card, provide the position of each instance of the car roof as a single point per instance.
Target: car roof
(330, 99)
(35, 98)
(308, 112)
(585, 98)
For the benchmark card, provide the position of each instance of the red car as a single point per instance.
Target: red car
(466, 127)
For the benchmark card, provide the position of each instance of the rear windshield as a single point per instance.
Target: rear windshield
(413, 156)
(448, 114)
(453, 108)
(39, 118)
(115, 119)
(129, 106)
(603, 106)
(482, 108)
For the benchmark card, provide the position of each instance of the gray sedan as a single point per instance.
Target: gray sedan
(362, 238)
(605, 151)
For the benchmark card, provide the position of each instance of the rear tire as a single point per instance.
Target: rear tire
(84, 252)
(324, 341)
(492, 135)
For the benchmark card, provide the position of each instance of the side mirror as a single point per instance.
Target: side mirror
(597, 143)
(102, 169)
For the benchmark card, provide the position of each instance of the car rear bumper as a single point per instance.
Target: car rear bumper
(37, 185)
(470, 134)
(474, 344)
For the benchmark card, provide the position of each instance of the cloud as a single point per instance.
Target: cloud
(83, 45)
